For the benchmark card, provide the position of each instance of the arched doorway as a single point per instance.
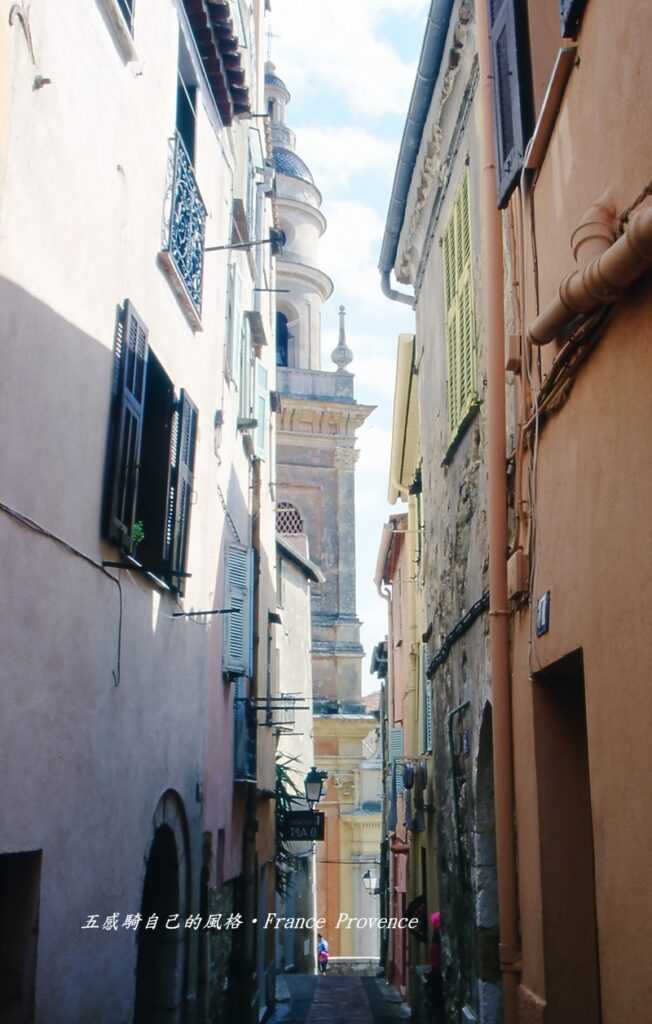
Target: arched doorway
(162, 956)
(486, 882)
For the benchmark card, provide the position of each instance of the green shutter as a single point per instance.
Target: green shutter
(457, 259)
(261, 411)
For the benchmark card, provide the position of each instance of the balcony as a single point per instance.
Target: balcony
(184, 228)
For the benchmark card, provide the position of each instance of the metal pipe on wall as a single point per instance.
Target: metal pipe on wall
(492, 261)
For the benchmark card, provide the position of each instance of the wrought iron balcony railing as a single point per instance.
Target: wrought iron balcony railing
(184, 228)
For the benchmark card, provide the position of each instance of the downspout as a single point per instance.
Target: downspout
(492, 261)
(393, 293)
(247, 1008)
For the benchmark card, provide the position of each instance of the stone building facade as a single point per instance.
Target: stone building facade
(315, 476)
(434, 246)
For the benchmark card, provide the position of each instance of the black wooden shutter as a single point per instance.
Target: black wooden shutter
(182, 467)
(130, 378)
(571, 12)
(512, 90)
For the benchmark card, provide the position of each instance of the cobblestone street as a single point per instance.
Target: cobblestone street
(336, 1000)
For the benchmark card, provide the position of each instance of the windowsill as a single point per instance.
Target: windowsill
(459, 434)
(129, 562)
(178, 287)
(119, 30)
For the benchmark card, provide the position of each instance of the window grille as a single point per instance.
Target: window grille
(288, 521)
(460, 311)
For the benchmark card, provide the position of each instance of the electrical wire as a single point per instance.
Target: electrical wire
(31, 524)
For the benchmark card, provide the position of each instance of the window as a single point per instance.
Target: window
(288, 520)
(243, 378)
(512, 90)
(234, 322)
(460, 312)
(261, 411)
(238, 595)
(151, 455)
(186, 101)
(127, 9)
(282, 339)
(250, 193)
(571, 12)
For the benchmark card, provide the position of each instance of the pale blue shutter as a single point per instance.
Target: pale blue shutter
(237, 624)
(396, 755)
(261, 411)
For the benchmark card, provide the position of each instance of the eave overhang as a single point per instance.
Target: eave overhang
(221, 53)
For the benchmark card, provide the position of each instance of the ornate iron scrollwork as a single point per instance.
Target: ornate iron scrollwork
(184, 222)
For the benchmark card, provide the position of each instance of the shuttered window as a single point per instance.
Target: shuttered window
(512, 90)
(571, 12)
(182, 468)
(238, 595)
(245, 398)
(232, 356)
(460, 311)
(150, 459)
(128, 406)
(396, 756)
(261, 411)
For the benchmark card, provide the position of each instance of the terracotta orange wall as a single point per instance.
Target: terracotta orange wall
(594, 525)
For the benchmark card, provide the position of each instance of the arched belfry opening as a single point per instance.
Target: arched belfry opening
(282, 340)
(162, 954)
(486, 882)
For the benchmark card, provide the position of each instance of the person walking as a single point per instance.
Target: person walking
(322, 954)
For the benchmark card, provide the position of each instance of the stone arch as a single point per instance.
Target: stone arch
(289, 322)
(162, 963)
(486, 881)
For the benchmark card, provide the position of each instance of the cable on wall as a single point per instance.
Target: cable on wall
(30, 524)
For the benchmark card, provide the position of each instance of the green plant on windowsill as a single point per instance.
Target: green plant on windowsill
(137, 536)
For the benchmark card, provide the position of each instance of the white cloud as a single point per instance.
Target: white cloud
(357, 152)
(339, 49)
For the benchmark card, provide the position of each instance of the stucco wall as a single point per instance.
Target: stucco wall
(85, 762)
(593, 533)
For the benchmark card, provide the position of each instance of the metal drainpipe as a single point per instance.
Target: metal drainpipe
(249, 858)
(492, 261)
(393, 294)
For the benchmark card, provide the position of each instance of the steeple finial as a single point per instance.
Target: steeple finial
(342, 354)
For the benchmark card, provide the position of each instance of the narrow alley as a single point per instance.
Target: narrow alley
(317, 999)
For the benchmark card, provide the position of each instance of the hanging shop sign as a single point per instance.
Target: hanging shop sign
(303, 825)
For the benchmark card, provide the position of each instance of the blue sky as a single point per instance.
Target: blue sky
(350, 69)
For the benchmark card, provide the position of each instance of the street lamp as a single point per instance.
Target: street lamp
(314, 784)
(370, 883)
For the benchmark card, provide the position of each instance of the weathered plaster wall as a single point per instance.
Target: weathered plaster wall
(455, 538)
(593, 534)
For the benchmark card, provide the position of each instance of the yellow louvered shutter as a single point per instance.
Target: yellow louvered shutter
(457, 257)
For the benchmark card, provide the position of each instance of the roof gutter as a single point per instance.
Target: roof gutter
(427, 72)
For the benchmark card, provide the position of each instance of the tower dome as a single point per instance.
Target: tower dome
(287, 162)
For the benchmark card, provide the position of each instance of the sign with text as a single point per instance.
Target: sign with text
(303, 825)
